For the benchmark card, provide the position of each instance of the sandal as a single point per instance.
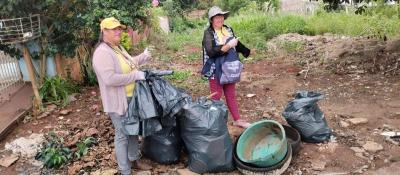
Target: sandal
(241, 123)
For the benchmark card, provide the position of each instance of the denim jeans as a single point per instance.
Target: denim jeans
(126, 146)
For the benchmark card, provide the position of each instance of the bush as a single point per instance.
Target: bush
(57, 90)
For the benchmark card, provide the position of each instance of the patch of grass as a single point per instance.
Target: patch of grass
(179, 75)
(165, 58)
(353, 25)
(177, 41)
(192, 56)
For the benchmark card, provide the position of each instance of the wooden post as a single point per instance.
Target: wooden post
(29, 65)
(58, 64)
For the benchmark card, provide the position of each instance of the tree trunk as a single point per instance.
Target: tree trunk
(58, 64)
(43, 67)
(32, 77)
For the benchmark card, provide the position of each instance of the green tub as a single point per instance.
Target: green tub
(262, 144)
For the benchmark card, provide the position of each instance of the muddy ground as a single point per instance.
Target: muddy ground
(358, 76)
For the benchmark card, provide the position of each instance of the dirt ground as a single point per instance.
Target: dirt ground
(338, 67)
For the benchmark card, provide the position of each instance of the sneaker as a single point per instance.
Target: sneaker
(140, 165)
(241, 123)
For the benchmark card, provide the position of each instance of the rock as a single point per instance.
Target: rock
(372, 146)
(8, 160)
(344, 124)
(250, 95)
(357, 149)
(394, 104)
(143, 173)
(51, 107)
(361, 169)
(74, 169)
(65, 112)
(91, 132)
(105, 172)
(36, 163)
(26, 147)
(356, 121)
(395, 159)
(361, 155)
(329, 147)
(393, 169)
(318, 165)
(186, 172)
(43, 115)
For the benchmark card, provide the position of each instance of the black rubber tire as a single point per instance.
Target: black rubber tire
(293, 137)
(247, 166)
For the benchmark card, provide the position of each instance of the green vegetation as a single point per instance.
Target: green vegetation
(179, 75)
(83, 147)
(57, 90)
(54, 154)
(255, 27)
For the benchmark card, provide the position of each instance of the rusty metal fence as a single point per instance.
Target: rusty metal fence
(10, 73)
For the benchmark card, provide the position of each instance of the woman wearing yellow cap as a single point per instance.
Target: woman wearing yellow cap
(116, 73)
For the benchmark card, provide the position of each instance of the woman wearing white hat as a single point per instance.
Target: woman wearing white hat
(215, 46)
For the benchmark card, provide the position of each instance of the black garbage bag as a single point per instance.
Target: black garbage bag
(170, 98)
(164, 146)
(305, 116)
(142, 112)
(205, 134)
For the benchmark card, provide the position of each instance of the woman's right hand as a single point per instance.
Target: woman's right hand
(140, 75)
(233, 42)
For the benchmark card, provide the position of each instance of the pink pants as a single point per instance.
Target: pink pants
(230, 96)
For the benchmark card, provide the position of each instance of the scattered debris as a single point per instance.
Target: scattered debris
(318, 165)
(372, 146)
(105, 172)
(26, 147)
(8, 160)
(65, 112)
(356, 121)
(250, 95)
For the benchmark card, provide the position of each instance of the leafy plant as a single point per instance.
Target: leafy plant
(57, 90)
(83, 147)
(54, 154)
(126, 42)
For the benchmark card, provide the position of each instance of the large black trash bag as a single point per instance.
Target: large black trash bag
(164, 146)
(304, 114)
(170, 98)
(142, 112)
(205, 134)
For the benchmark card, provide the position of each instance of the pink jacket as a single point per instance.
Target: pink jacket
(111, 79)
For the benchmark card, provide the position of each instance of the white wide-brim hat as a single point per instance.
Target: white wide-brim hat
(215, 10)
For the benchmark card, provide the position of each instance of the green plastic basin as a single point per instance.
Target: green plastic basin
(262, 144)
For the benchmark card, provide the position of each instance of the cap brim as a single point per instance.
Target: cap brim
(225, 14)
(116, 26)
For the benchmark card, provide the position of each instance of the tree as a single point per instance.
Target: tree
(69, 24)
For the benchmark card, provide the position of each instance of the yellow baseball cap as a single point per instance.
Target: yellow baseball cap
(111, 23)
